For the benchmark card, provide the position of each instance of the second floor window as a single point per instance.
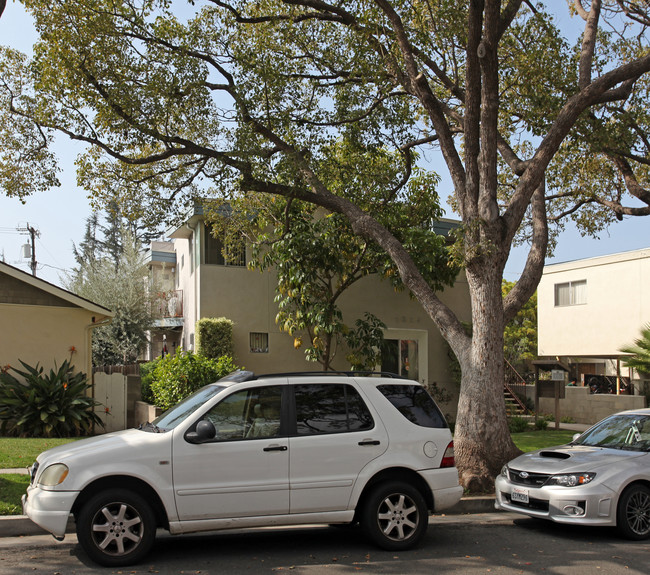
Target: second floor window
(233, 254)
(571, 293)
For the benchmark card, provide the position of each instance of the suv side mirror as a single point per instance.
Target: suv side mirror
(205, 431)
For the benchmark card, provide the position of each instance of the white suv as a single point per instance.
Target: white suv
(252, 451)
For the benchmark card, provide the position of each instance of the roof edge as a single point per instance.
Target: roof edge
(54, 290)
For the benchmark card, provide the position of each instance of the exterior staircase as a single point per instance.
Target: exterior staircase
(514, 405)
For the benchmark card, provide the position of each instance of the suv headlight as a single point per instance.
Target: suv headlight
(53, 475)
(571, 479)
(504, 471)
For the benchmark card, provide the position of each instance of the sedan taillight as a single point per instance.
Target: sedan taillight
(448, 459)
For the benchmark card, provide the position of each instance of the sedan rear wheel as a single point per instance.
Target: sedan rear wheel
(116, 527)
(633, 513)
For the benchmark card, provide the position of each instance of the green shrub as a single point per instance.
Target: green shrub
(214, 337)
(46, 405)
(146, 377)
(517, 424)
(567, 419)
(177, 376)
(541, 424)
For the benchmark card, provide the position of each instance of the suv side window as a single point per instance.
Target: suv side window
(415, 404)
(248, 414)
(330, 408)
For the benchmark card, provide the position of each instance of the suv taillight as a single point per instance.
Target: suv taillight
(448, 457)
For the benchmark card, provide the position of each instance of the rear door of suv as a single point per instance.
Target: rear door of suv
(334, 434)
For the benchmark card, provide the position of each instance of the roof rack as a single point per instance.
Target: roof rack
(239, 375)
(331, 373)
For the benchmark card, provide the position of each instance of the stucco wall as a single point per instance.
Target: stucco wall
(617, 305)
(247, 298)
(44, 335)
(584, 407)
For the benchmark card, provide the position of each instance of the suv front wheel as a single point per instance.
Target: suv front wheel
(395, 516)
(116, 527)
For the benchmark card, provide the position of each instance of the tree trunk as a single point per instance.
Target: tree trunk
(482, 440)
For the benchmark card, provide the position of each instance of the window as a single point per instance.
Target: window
(400, 356)
(248, 414)
(233, 254)
(415, 404)
(571, 293)
(259, 342)
(323, 408)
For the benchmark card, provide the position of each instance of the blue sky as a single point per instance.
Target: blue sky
(60, 213)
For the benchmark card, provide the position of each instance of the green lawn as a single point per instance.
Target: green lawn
(532, 440)
(15, 453)
(22, 452)
(12, 488)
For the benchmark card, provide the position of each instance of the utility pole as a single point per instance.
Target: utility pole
(33, 234)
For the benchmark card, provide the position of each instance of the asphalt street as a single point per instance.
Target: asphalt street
(500, 543)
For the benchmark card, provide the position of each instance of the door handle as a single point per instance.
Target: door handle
(276, 448)
(370, 442)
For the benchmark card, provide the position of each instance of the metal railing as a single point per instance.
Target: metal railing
(168, 304)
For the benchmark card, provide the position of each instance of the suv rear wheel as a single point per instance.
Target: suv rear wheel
(116, 527)
(395, 516)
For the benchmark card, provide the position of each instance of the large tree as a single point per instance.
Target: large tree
(111, 270)
(176, 99)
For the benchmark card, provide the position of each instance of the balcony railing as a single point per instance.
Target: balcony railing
(169, 304)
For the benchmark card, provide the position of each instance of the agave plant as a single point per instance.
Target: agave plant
(54, 404)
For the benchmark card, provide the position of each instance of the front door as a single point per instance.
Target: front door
(244, 472)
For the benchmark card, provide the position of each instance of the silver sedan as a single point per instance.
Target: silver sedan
(601, 478)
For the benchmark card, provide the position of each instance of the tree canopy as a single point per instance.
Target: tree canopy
(318, 101)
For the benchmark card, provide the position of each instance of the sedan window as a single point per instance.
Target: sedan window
(622, 431)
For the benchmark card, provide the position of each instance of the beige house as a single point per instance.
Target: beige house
(42, 323)
(206, 285)
(588, 309)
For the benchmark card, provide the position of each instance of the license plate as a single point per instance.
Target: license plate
(519, 495)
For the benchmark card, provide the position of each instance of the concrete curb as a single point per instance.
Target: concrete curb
(22, 526)
(476, 504)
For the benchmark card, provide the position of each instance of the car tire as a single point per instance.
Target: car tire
(116, 527)
(633, 512)
(395, 516)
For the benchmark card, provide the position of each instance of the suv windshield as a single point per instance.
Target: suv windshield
(181, 411)
(623, 431)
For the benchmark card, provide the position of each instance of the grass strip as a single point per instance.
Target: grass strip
(17, 452)
(12, 487)
(532, 440)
